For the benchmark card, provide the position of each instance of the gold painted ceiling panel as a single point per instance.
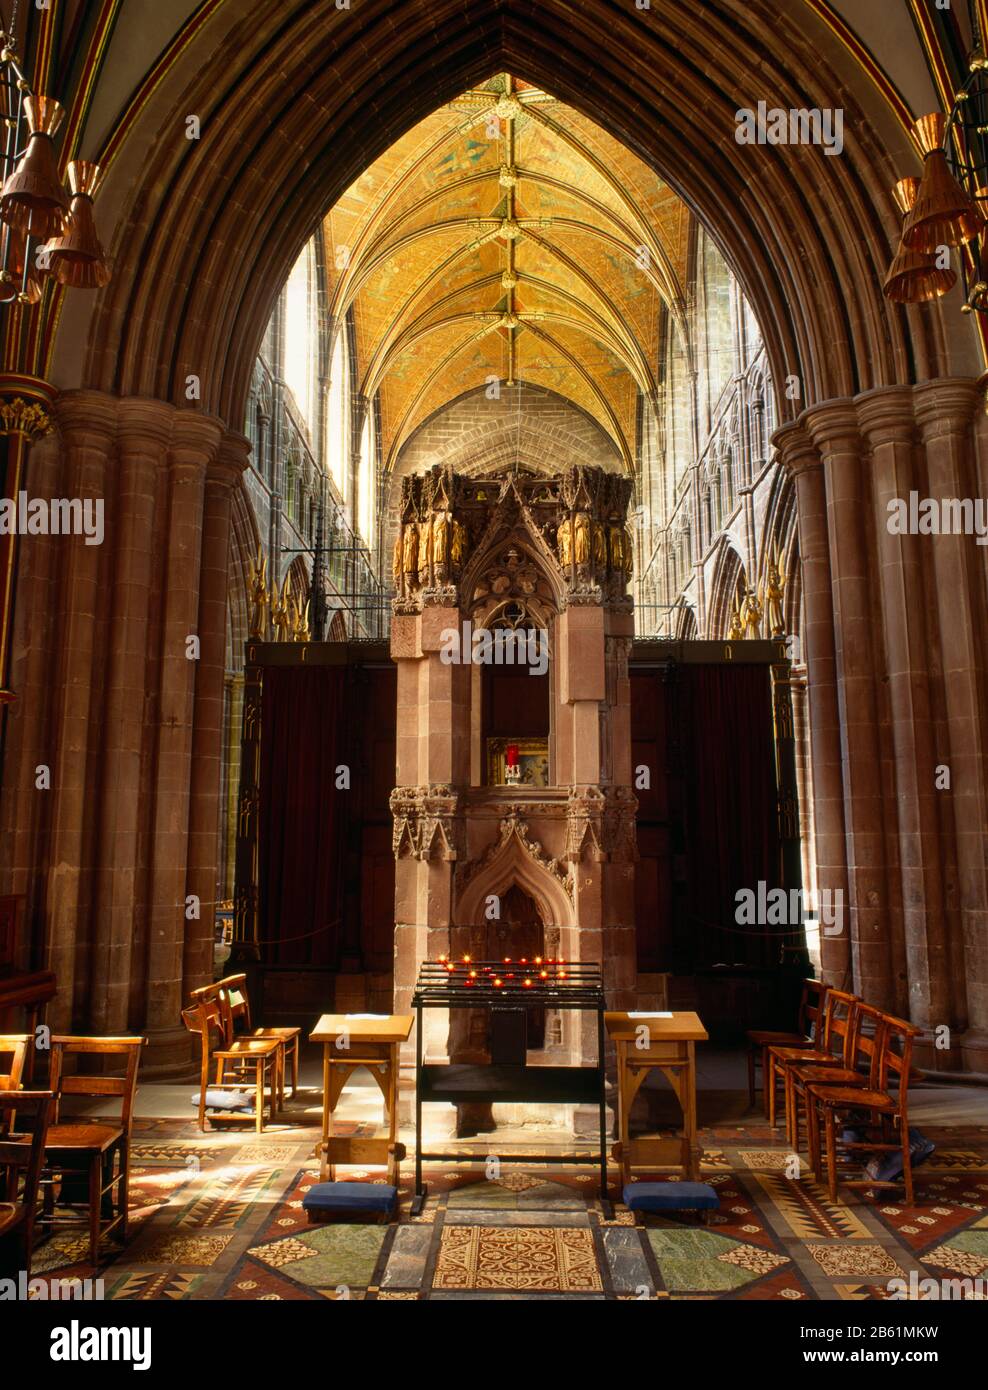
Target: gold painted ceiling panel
(502, 237)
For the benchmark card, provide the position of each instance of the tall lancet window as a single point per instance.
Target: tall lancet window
(366, 509)
(300, 335)
(338, 415)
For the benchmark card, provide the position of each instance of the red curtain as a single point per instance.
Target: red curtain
(731, 815)
(302, 815)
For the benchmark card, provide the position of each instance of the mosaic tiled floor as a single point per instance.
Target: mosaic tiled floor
(220, 1216)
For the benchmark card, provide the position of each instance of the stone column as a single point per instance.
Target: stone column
(235, 714)
(194, 441)
(804, 779)
(887, 421)
(88, 422)
(801, 458)
(27, 740)
(144, 429)
(834, 429)
(223, 477)
(944, 411)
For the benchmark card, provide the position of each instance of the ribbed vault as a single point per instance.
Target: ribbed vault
(296, 100)
(508, 237)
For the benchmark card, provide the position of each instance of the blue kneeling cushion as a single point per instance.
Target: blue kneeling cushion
(670, 1196)
(350, 1196)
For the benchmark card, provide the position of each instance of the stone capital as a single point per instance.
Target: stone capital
(886, 415)
(87, 419)
(945, 406)
(230, 462)
(833, 426)
(145, 426)
(195, 438)
(797, 452)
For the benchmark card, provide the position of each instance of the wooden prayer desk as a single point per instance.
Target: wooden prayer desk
(371, 1043)
(668, 1046)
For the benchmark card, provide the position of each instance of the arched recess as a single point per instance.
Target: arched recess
(295, 99)
(728, 573)
(780, 545)
(514, 862)
(245, 545)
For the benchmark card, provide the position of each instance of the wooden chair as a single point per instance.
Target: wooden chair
(13, 1053)
(837, 1021)
(857, 1068)
(326, 1200)
(234, 989)
(887, 1110)
(808, 1025)
(19, 1154)
(259, 1056)
(97, 1150)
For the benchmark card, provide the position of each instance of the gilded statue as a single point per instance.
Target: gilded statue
(752, 614)
(259, 597)
(581, 538)
(300, 622)
(425, 545)
(458, 549)
(396, 560)
(564, 542)
(629, 552)
(280, 616)
(773, 594)
(599, 545)
(616, 539)
(736, 630)
(410, 549)
(440, 538)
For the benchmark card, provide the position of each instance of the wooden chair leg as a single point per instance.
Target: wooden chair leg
(788, 1100)
(123, 1191)
(830, 1120)
(768, 1083)
(907, 1166)
(813, 1137)
(295, 1049)
(751, 1076)
(95, 1182)
(259, 1095)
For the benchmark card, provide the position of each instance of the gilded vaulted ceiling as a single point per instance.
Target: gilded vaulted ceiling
(507, 236)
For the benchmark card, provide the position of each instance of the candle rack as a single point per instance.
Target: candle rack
(509, 988)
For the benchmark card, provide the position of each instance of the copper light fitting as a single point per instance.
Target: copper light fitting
(942, 214)
(914, 276)
(33, 199)
(76, 257)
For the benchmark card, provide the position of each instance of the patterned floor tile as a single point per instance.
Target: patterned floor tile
(144, 1285)
(531, 1258)
(840, 1260)
(328, 1256)
(179, 1250)
(705, 1261)
(506, 1192)
(966, 1254)
(808, 1212)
